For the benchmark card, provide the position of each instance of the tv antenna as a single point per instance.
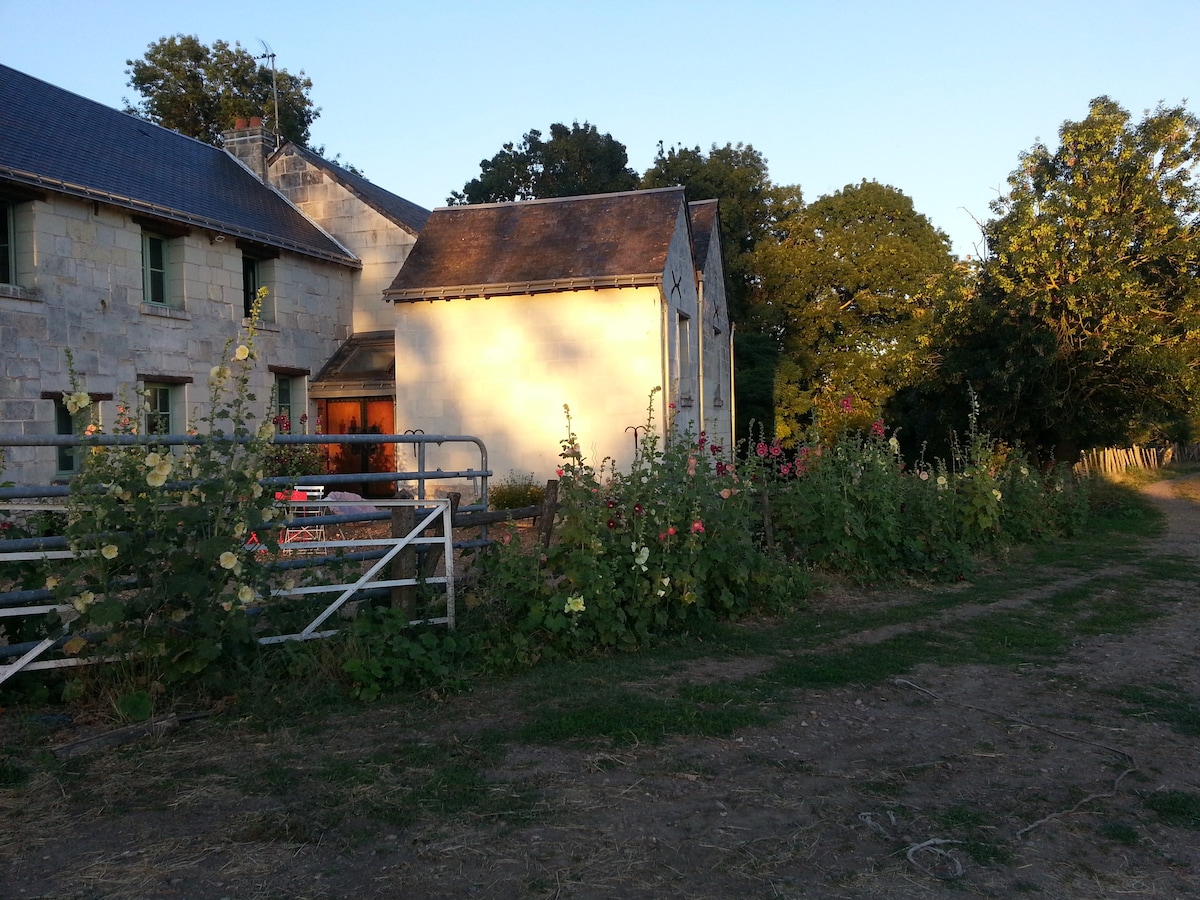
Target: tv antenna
(268, 53)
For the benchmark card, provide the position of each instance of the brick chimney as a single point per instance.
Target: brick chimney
(249, 142)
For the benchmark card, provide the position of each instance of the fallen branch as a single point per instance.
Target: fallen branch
(934, 846)
(124, 735)
(1066, 812)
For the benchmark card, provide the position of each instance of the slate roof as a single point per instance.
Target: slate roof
(403, 212)
(598, 240)
(58, 141)
(703, 214)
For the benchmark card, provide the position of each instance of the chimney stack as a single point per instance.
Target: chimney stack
(250, 143)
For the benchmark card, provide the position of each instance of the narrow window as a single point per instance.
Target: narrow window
(154, 268)
(159, 408)
(68, 457)
(283, 404)
(250, 284)
(683, 359)
(8, 250)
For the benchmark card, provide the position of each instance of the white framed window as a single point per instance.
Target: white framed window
(291, 399)
(163, 407)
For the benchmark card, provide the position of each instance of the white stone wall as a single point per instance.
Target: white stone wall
(682, 374)
(717, 335)
(80, 287)
(380, 243)
(501, 368)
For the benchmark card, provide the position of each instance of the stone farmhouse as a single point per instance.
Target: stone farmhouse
(507, 311)
(141, 250)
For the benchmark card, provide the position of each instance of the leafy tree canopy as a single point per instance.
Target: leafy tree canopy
(1086, 329)
(849, 289)
(574, 161)
(751, 206)
(199, 90)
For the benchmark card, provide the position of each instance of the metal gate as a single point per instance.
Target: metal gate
(309, 552)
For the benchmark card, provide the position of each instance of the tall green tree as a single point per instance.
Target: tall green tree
(1086, 328)
(573, 161)
(751, 206)
(850, 289)
(199, 90)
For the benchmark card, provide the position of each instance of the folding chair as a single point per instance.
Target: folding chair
(298, 530)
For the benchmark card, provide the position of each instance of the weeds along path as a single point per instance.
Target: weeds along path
(1034, 733)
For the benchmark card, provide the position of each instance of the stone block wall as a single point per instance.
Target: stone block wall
(79, 286)
(380, 243)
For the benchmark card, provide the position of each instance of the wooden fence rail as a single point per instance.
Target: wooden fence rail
(1115, 460)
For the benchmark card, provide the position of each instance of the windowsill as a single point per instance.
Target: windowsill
(166, 312)
(16, 292)
(272, 327)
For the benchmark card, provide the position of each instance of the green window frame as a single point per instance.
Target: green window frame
(156, 259)
(67, 458)
(284, 398)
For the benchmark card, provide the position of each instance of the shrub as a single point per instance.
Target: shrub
(168, 542)
(853, 506)
(515, 492)
(657, 549)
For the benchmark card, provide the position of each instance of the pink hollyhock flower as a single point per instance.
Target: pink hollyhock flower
(558, 472)
(697, 527)
(761, 449)
(847, 403)
(672, 530)
(877, 428)
(785, 469)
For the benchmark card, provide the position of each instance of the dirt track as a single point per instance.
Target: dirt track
(957, 781)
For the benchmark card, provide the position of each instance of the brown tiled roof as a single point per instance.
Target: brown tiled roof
(537, 245)
(703, 214)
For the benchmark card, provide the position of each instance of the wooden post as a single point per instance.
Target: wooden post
(768, 530)
(404, 564)
(549, 508)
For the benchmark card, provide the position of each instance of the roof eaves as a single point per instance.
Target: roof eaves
(550, 285)
(131, 203)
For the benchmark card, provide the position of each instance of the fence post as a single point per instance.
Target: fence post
(404, 565)
(429, 564)
(549, 508)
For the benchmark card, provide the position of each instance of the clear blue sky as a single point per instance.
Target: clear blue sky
(935, 98)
